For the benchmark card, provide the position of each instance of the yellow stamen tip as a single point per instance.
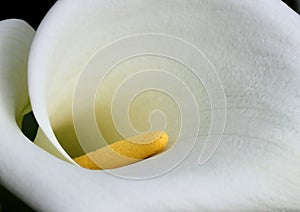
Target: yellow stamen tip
(124, 152)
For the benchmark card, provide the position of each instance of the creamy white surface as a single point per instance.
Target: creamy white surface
(255, 48)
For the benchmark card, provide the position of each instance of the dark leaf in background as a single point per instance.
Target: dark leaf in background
(29, 126)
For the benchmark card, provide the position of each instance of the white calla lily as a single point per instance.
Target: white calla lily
(253, 47)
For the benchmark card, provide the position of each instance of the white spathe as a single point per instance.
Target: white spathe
(253, 45)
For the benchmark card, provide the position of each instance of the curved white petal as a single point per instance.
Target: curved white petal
(255, 48)
(43, 181)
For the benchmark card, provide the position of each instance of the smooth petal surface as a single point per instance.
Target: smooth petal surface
(41, 180)
(255, 48)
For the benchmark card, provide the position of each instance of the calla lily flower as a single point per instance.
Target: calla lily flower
(223, 74)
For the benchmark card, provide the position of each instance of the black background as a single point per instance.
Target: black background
(33, 12)
(30, 11)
